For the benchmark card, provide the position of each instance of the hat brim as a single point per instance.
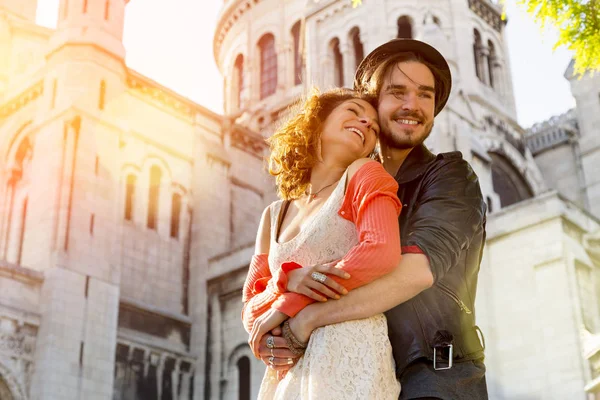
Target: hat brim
(393, 47)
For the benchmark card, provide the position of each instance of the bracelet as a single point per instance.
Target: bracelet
(287, 335)
(291, 339)
(294, 350)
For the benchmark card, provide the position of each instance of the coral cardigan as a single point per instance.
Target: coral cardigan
(372, 204)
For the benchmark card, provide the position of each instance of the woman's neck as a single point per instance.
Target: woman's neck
(324, 173)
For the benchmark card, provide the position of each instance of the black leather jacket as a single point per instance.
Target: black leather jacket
(444, 215)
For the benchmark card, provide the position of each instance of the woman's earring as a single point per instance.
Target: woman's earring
(376, 153)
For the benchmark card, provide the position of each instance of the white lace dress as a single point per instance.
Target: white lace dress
(350, 360)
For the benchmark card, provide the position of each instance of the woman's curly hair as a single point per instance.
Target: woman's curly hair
(294, 146)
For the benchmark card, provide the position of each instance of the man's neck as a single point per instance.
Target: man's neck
(394, 158)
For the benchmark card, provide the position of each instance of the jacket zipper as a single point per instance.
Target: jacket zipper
(454, 297)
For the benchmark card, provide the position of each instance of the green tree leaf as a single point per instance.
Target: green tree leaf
(578, 26)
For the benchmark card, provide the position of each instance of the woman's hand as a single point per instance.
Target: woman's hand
(262, 325)
(301, 281)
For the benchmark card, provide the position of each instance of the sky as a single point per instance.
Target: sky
(170, 41)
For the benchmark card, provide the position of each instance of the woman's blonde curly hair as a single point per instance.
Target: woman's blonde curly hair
(294, 146)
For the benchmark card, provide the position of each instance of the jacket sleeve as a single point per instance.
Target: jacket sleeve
(258, 294)
(372, 204)
(450, 211)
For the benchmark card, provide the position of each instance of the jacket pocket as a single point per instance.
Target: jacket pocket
(448, 292)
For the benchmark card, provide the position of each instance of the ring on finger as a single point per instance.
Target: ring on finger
(271, 360)
(290, 361)
(270, 342)
(319, 277)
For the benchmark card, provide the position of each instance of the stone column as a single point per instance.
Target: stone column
(210, 236)
(349, 62)
(215, 345)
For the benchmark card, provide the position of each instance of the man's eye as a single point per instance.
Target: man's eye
(354, 111)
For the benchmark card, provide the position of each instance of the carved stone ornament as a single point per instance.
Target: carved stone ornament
(26, 97)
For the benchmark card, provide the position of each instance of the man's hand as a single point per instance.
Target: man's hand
(283, 358)
(263, 324)
(301, 281)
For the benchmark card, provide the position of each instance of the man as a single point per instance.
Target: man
(429, 298)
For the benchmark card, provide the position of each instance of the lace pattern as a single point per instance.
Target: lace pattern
(350, 360)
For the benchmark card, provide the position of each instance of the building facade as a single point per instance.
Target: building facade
(128, 213)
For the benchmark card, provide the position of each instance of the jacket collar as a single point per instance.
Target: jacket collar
(415, 164)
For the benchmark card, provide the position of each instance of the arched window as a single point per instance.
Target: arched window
(478, 55)
(297, 53)
(338, 62)
(404, 28)
(102, 97)
(238, 81)
(508, 182)
(153, 196)
(268, 65)
(243, 365)
(491, 62)
(129, 196)
(175, 215)
(17, 201)
(357, 45)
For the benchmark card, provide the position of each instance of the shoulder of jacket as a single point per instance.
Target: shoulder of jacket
(452, 155)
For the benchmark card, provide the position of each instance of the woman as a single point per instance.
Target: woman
(336, 204)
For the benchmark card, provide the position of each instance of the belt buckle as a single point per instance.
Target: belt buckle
(450, 358)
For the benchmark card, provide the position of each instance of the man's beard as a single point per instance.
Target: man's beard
(408, 140)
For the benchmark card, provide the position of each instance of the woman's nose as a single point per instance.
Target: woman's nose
(366, 120)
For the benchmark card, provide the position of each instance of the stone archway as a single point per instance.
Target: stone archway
(508, 183)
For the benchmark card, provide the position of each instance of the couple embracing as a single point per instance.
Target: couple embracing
(364, 277)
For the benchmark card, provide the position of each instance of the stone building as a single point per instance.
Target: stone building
(115, 195)
(128, 213)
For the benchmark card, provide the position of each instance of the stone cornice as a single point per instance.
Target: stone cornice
(151, 90)
(21, 100)
(20, 273)
(488, 12)
(503, 129)
(229, 15)
(331, 9)
(248, 141)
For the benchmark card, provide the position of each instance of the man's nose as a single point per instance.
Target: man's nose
(410, 102)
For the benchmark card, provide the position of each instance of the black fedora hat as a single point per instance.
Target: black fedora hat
(370, 63)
